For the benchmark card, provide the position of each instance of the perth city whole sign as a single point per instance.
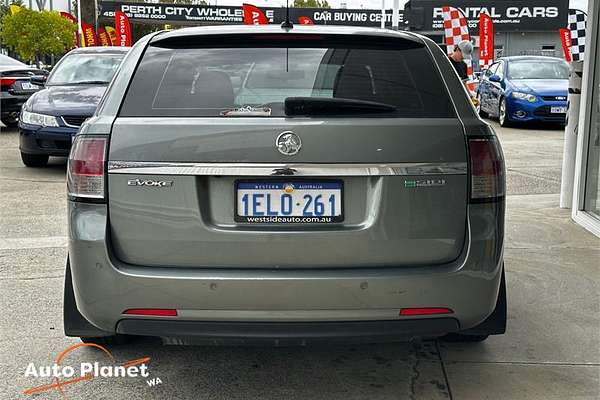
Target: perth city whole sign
(207, 14)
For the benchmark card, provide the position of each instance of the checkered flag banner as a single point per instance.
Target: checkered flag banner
(456, 30)
(577, 23)
(485, 64)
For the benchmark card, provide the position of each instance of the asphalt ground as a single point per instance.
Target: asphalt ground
(550, 351)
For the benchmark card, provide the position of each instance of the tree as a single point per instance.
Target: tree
(35, 34)
(311, 4)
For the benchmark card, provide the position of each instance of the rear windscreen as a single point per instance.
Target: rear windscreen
(252, 80)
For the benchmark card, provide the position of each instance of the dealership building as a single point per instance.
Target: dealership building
(586, 192)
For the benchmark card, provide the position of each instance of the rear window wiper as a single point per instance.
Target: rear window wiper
(334, 106)
(89, 83)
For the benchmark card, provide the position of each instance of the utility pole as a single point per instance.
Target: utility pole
(86, 11)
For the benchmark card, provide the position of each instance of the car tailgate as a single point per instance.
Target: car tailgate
(405, 197)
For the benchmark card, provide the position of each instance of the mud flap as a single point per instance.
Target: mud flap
(495, 324)
(74, 323)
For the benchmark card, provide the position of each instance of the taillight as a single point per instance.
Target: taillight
(85, 172)
(487, 170)
(6, 83)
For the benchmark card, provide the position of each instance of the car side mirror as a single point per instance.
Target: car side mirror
(39, 80)
(495, 78)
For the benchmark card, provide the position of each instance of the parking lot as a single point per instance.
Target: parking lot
(551, 349)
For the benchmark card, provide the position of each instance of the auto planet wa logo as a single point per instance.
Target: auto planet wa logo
(66, 375)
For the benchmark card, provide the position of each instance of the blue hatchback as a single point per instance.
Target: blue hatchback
(51, 117)
(525, 88)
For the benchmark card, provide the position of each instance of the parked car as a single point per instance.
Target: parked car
(15, 88)
(525, 88)
(52, 116)
(368, 205)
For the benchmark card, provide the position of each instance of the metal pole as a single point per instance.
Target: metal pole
(570, 143)
(96, 15)
(396, 15)
(382, 14)
(79, 29)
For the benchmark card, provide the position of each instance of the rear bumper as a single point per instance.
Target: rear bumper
(523, 111)
(282, 333)
(11, 103)
(53, 141)
(105, 287)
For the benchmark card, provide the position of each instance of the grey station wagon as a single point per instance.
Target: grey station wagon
(242, 184)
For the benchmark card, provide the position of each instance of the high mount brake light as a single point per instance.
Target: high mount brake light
(487, 170)
(86, 169)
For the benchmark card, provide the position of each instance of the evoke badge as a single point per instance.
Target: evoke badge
(149, 182)
(424, 183)
(288, 143)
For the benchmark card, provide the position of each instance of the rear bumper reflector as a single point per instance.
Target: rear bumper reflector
(405, 312)
(157, 312)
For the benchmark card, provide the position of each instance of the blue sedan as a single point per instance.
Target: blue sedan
(51, 117)
(524, 89)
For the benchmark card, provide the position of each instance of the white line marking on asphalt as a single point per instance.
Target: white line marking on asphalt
(32, 242)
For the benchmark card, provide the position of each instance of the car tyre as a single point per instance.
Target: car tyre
(503, 118)
(34, 160)
(10, 122)
(460, 338)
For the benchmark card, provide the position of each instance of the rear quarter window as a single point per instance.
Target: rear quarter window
(196, 80)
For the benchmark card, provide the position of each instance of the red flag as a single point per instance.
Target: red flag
(486, 41)
(103, 37)
(71, 18)
(68, 16)
(565, 39)
(305, 20)
(89, 35)
(123, 29)
(253, 15)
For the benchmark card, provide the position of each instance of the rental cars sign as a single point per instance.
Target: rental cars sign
(516, 15)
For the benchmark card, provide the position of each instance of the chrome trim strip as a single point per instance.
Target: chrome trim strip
(281, 169)
(70, 125)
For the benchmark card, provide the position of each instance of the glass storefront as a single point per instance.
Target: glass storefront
(592, 181)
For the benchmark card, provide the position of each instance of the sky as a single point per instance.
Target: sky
(62, 5)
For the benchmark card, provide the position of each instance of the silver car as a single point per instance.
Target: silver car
(242, 184)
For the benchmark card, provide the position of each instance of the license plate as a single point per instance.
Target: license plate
(558, 110)
(283, 202)
(29, 86)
